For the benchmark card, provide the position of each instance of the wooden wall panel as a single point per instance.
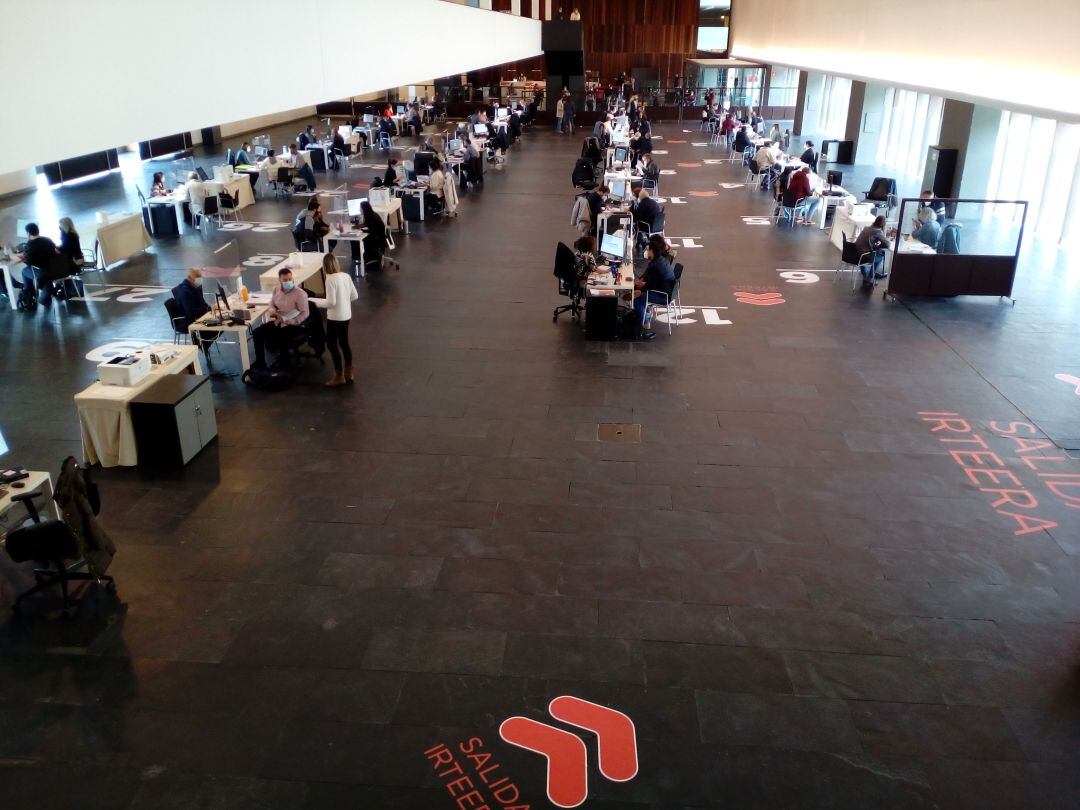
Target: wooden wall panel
(624, 34)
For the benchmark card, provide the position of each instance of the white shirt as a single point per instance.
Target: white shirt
(435, 183)
(340, 293)
(195, 193)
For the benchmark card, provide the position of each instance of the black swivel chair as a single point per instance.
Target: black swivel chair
(179, 321)
(882, 193)
(311, 342)
(53, 546)
(566, 272)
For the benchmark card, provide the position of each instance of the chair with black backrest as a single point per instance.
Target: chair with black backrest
(283, 183)
(92, 259)
(311, 342)
(53, 546)
(882, 193)
(209, 212)
(566, 272)
(949, 241)
(853, 260)
(584, 174)
(229, 205)
(178, 319)
(676, 299)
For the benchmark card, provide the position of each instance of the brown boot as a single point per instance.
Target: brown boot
(336, 380)
(348, 374)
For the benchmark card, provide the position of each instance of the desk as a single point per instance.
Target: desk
(239, 188)
(34, 481)
(392, 208)
(909, 245)
(306, 270)
(176, 202)
(848, 224)
(121, 237)
(108, 436)
(241, 330)
(603, 295)
(354, 236)
(831, 200)
(6, 266)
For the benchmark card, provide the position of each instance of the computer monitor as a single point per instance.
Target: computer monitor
(456, 145)
(223, 300)
(620, 154)
(261, 152)
(622, 122)
(354, 207)
(480, 129)
(503, 112)
(613, 245)
(422, 162)
(400, 109)
(618, 189)
(368, 118)
(202, 173)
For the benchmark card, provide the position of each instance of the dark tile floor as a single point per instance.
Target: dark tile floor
(797, 593)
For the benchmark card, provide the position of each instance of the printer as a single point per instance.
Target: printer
(126, 370)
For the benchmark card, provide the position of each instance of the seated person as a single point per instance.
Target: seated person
(390, 176)
(433, 197)
(157, 187)
(926, 228)
(873, 240)
(339, 148)
(376, 242)
(70, 246)
(301, 167)
(644, 127)
(809, 156)
(937, 206)
(284, 319)
(189, 296)
(195, 193)
(413, 124)
(742, 140)
(306, 137)
(799, 189)
(308, 227)
(585, 254)
(764, 158)
(38, 254)
(658, 277)
(647, 213)
(650, 169)
(243, 155)
(596, 200)
(473, 165)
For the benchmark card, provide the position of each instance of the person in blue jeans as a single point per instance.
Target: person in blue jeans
(873, 240)
(659, 277)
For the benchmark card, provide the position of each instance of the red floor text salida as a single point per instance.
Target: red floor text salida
(473, 778)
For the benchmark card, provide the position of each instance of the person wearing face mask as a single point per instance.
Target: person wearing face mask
(285, 317)
(189, 297)
(658, 277)
(596, 199)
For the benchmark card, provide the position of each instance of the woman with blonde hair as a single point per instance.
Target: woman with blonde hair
(340, 293)
(70, 245)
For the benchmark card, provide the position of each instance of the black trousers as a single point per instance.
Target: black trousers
(337, 341)
(274, 336)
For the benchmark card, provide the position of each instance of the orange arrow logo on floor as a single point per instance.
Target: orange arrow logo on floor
(567, 759)
(759, 299)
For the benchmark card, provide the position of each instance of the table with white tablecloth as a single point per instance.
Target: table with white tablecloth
(121, 237)
(108, 436)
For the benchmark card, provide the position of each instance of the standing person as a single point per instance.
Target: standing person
(568, 115)
(774, 133)
(340, 293)
(560, 108)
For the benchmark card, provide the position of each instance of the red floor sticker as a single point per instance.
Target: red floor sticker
(688, 165)
(759, 299)
(704, 194)
(567, 757)
(676, 141)
(1071, 380)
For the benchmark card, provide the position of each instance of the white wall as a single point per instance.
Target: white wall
(1024, 56)
(144, 70)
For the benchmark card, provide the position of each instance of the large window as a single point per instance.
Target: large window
(836, 94)
(783, 87)
(910, 122)
(1038, 160)
(714, 18)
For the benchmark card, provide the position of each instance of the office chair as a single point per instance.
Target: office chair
(676, 298)
(179, 321)
(229, 205)
(949, 241)
(853, 259)
(208, 213)
(584, 174)
(310, 343)
(283, 184)
(566, 272)
(882, 193)
(51, 544)
(787, 212)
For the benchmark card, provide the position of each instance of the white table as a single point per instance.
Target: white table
(306, 270)
(241, 330)
(34, 481)
(121, 237)
(848, 224)
(392, 208)
(108, 436)
(831, 200)
(6, 266)
(909, 245)
(177, 201)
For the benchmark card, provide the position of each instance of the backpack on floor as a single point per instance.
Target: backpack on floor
(268, 379)
(27, 301)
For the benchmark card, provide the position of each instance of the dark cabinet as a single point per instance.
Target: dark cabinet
(173, 420)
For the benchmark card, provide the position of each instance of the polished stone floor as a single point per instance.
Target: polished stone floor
(792, 584)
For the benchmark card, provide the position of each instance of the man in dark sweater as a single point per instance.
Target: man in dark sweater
(39, 254)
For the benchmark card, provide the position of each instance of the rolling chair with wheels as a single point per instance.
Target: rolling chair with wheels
(566, 272)
(584, 174)
(853, 260)
(882, 193)
(53, 546)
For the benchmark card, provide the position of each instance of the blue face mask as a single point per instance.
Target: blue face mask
(287, 285)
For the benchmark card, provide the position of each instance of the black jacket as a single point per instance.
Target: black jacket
(39, 252)
(658, 275)
(647, 211)
(191, 301)
(70, 247)
(809, 157)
